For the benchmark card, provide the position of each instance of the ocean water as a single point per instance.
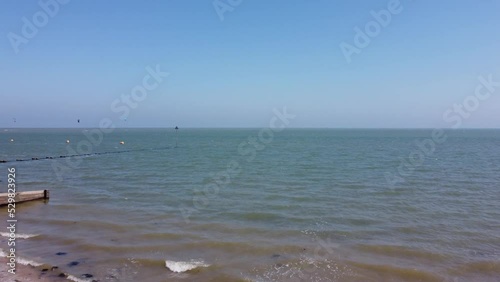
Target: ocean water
(305, 205)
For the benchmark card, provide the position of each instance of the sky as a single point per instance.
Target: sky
(231, 62)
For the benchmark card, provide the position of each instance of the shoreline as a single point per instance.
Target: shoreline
(28, 273)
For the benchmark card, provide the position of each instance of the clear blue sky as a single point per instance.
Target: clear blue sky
(264, 54)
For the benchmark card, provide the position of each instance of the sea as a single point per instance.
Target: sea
(256, 205)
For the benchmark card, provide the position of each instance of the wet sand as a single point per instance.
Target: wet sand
(27, 273)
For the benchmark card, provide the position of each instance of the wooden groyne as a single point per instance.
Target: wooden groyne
(24, 196)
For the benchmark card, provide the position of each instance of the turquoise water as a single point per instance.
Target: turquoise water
(310, 205)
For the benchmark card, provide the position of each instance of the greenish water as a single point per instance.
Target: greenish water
(310, 205)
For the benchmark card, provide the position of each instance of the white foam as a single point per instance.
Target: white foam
(18, 236)
(76, 279)
(183, 266)
(21, 260)
(28, 262)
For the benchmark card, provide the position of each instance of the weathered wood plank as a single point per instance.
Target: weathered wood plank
(24, 196)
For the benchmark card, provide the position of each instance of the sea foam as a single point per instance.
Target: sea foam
(28, 262)
(21, 260)
(18, 236)
(183, 266)
(76, 279)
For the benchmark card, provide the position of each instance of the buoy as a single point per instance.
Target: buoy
(176, 135)
(67, 141)
(122, 143)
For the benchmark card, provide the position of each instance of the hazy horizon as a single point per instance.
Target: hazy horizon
(254, 127)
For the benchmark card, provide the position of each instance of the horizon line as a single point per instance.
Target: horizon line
(187, 127)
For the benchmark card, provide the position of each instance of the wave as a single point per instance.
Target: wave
(183, 266)
(21, 260)
(28, 262)
(18, 236)
(76, 279)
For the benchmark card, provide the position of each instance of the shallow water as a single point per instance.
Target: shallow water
(312, 205)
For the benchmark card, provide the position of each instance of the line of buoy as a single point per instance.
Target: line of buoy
(67, 141)
(82, 155)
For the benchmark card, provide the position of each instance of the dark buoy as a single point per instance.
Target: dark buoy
(78, 120)
(176, 135)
